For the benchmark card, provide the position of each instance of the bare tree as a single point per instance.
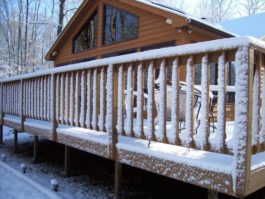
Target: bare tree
(252, 7)
(216, 10)
(61, 16)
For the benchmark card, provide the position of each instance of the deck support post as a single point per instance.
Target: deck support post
(15, 141)
(67, 150)
(212, 194)
(1, 135)
(118, 179)
(35, 150)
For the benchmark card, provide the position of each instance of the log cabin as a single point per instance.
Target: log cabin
(149, 86)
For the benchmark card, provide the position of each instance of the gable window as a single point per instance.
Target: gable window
(119, 25)
(87, 37)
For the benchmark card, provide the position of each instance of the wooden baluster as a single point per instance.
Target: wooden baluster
(221, 124)
(262, 131)
(88, 97)
(45, 97)
(62, 98)
(31, 99)
(187, 134)
(53, 103)
(150, 134)
(161, 133)
(66, 98)
(203, 130)
(77, 101)
(139, 130)
(35, 97)
(173, 137)
(120, 114)
(22, 101)
(41, 98)
(102, 100)
(129, 102)
(57, 98)
(83, 99)
(256, 107)
(49, 84)
(1, 113)
(95, 107)
(72, 93)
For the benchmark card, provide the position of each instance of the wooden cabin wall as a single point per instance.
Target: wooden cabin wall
(152, 30)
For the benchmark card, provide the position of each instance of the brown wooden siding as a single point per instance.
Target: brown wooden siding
(152, 30)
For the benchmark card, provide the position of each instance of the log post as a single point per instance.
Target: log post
(67, 150)
(243, 121)
(35, 150)
(212, 194)
(118, 179)
(15, 141)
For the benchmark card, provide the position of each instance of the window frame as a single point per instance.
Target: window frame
(82, 28)
(104, 24)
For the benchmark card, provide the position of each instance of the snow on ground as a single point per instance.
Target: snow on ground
(13, 183)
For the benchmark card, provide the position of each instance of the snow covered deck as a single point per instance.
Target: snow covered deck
(138, 109)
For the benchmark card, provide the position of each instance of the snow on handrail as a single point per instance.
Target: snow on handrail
(188, 49)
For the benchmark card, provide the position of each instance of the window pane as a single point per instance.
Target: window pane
(87, 38)
(119, 25)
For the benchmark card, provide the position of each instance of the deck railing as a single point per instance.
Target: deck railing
(128, 95)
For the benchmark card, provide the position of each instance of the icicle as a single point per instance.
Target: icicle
(102, 100)
(82, 108)
(139, 115)
(128, 104)
(57, 113)
(150, 102)
(77, 83)
(162, 102)
(173, 133)
(62, 98)
(220, 135)
(94, 107)
(120, 101)
(71, 114)
(109, 116)
(202, 137)
(255, 105)
(241, 115)
(66, 98)
(186, 136)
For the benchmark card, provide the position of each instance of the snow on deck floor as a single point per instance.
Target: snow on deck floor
(14, 184)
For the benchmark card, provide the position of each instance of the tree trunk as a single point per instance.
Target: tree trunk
(61, 16)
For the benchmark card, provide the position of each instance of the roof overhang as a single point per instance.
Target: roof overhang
(181, 18)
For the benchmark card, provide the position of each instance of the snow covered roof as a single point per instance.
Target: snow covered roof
(150, 6)
(247, 26)
(190, 18)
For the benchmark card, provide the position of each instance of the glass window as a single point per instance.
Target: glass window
(87, 37)
(119, 25)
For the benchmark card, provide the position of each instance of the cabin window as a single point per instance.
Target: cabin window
(119, 25)
(87, 37)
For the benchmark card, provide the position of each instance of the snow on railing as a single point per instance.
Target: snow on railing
(151, 95)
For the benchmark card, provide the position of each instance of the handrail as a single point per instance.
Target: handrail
(203, 47)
